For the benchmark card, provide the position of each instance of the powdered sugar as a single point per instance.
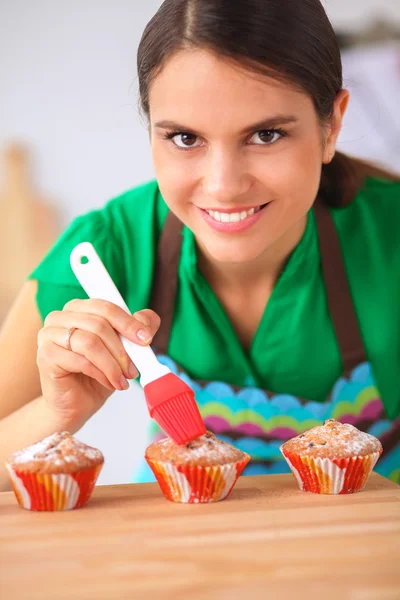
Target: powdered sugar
(333, 439)
(205, 450)
(57, 451)
(30, 453)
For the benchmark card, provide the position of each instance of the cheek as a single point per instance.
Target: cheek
(173, 177)
(169, 165)
(293, 174)
(308, 173)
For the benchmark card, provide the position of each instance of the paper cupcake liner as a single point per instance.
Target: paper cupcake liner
(331, 476)
(196, 484)
(50, 492)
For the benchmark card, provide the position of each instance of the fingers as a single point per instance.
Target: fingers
(59, 363)
(150, 320)
(139, 328)
(57, 324)
(95, 337)
(90, 347)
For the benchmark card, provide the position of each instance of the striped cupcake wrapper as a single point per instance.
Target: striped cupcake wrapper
(196, 484)
(331, 476)
(51, 492)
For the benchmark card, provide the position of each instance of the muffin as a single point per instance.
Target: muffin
(57, 473)
(334, 458)
(203, 470)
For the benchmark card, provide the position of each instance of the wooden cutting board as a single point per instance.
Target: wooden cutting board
(28, 225)
(269, 540)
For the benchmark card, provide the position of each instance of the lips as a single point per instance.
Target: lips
(232, 221)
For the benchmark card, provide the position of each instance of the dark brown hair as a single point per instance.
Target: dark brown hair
(289, 40)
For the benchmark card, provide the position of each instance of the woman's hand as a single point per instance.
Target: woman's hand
(78, 377)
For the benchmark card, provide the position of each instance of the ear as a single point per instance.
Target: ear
(335, 124)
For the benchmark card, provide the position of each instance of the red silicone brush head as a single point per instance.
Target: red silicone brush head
(172, 405)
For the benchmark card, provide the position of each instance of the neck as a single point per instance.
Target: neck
(262, 270)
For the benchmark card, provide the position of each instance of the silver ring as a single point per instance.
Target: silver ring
(68, 338)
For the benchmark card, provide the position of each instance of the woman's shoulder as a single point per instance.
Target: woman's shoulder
(147, 192)
(374, 213)
(122, 221)
(380, 193)
(140, 207)
(134, 210)
(124, 231)
(380, 197)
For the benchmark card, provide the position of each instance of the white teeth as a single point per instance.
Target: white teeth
(232, 217)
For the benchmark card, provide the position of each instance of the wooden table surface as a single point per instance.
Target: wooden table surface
(268, 540)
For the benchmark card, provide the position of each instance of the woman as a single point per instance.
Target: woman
(272, 260)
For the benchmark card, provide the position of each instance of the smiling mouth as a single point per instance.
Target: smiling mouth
(233, 217)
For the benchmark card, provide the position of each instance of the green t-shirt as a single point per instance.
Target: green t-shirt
(125, 234)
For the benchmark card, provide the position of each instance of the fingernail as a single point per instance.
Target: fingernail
(143, 335)
(132, 371)
(124, 383)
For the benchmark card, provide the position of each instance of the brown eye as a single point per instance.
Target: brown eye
(266, 137)
(185, 140)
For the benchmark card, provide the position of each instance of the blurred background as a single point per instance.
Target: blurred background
(71, 138)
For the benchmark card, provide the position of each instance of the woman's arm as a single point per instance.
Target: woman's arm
(24, 416)
(19, 375)
(24, 427)
(75, 381)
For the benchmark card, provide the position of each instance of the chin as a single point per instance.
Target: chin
(233, 253)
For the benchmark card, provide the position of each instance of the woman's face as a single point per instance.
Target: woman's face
(237, 156)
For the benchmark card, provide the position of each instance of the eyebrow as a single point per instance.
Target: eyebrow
(268, 123)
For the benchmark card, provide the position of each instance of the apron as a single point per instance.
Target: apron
(258, 421)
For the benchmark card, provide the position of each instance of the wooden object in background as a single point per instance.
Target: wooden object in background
(28, 226)
(268, 541)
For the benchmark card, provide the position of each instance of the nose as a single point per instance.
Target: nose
(226, 176)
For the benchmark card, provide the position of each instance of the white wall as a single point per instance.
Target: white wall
(353, 14)
(68, 89)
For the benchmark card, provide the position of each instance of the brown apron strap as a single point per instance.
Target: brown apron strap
(340, 303)
(339, 298)
(165, 280)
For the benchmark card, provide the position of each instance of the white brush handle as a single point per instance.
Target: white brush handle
(97, 283)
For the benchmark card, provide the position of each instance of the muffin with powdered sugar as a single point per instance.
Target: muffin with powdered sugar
(57, 473)
(203, 470)
(333, 458)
